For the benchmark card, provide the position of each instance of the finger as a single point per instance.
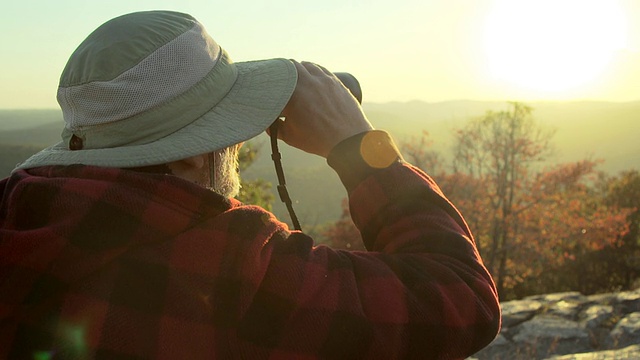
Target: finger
(302, 70)
(325, 70)
(278, 123)
(282, 129)
(307, 67)
(315, 69)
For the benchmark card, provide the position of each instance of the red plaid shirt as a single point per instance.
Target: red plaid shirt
(115, 264)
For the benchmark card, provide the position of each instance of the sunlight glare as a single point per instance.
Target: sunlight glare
(553, 45)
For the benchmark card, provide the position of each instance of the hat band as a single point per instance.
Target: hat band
(148, 126)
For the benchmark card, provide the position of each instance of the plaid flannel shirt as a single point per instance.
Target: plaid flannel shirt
(115, 264)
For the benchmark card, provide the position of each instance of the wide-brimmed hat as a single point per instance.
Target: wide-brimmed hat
(153, 87)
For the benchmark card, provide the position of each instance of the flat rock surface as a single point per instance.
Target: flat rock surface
(567, 326)
(628, 353)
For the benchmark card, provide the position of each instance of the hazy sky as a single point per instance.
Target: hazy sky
(401, 50)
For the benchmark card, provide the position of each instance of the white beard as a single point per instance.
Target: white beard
(226, 180)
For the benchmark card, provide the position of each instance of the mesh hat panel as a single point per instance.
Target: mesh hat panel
(164, 74)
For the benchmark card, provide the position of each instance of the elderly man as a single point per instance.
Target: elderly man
(124, 241)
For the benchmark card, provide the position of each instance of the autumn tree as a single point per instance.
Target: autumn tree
(623, 191)
(530, 222)
(499, 151)
(566, 227)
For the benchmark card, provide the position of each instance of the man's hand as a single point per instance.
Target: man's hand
(321, 112)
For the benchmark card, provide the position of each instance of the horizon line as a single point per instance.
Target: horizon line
(365, 102)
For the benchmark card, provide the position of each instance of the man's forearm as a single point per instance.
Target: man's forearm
(401, 212)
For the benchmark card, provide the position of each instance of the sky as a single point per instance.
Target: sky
(401, 50)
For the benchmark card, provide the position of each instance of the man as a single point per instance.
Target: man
(114, 246)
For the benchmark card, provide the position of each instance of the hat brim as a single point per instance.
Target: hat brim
(261, 91)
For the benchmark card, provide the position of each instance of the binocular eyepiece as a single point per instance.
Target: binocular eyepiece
(351, 83)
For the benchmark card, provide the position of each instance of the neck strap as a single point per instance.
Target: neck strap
(282, 184)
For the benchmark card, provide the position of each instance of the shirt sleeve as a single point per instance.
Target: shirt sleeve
(420, 291)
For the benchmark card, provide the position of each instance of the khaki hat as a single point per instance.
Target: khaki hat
(153, 87)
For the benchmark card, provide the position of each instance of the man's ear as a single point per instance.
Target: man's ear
(197, 161)
(189, 167)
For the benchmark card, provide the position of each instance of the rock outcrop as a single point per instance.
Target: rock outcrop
(568, 326)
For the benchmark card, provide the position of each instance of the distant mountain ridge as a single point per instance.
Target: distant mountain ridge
(586, 129)
(41, 135)
(28, 118)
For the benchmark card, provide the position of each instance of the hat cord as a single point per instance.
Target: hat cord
(282, 184)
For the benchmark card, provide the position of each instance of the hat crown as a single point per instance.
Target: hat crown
(121, 43)
(129, 74)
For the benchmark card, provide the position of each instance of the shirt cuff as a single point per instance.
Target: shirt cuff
(361, 155)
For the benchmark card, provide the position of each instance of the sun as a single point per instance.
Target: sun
(553, 45)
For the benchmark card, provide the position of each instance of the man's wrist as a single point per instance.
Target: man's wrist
(361, 155)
